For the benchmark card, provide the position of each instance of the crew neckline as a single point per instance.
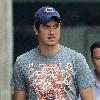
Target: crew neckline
(49, 56)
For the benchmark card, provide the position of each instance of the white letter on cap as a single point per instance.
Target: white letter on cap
(48, 10)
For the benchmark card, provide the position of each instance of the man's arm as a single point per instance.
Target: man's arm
(87, 94)
(19, 94)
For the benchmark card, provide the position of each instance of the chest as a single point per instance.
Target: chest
(50, 76)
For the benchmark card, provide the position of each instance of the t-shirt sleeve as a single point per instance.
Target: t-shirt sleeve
(84, 77)
(18, 80)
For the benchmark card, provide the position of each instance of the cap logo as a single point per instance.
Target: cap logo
(48, 10)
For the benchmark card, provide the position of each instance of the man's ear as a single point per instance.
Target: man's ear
(35, 30)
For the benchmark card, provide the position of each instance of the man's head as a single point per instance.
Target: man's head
(95, 55)
(47, 26)
(44, 14)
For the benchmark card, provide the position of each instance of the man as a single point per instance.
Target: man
(95, 55)
(51, 71)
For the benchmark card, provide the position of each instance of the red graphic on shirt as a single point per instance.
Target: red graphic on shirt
(48, 80)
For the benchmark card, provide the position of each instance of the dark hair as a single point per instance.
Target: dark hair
(93, 46)
(36, 25)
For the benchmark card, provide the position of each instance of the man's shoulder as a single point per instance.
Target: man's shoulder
(72, 54)
(72, 51)
(28, 55)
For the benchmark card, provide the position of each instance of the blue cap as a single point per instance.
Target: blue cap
(44, 14)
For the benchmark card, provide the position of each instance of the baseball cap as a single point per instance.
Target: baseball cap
(44, 14)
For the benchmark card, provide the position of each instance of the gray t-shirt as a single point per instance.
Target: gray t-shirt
(56, 77)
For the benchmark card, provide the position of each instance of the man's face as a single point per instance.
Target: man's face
(96, 59)
(49, 33)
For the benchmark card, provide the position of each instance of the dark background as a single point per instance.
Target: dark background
(73, 14)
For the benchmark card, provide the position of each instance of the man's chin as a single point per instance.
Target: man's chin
(52, 44)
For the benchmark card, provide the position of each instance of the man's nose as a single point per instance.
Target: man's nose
(52, 30)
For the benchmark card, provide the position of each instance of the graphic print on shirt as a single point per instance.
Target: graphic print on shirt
(50, 81)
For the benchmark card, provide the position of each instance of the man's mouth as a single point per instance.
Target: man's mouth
(51, 37)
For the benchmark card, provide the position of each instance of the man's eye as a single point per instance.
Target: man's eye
(46, 26)
(56, 26)
(97, 58)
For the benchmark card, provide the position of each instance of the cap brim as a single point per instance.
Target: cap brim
(48, 18)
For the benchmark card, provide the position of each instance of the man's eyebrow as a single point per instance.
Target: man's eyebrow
(97, 56)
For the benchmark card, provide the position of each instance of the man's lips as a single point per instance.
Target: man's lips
(51, 37)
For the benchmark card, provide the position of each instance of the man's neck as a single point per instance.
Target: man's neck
(97, 75)
(49, 50)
